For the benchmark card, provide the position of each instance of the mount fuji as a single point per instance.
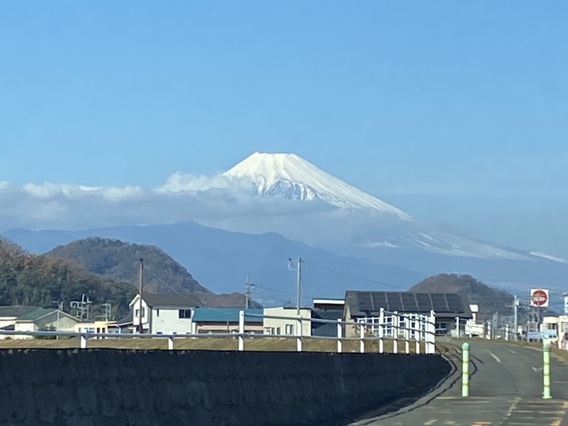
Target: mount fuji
(291, 177)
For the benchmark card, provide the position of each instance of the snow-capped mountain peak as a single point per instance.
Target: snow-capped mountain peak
(290, 176)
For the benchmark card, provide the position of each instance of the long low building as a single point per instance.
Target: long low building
(365, 306)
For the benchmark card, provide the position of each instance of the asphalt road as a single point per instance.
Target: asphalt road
(506, 385)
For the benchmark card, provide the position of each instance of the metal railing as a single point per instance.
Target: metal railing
(389, 326)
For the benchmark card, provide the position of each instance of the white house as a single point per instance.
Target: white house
(288, 324)
(9, 315)
(163, 313)
(42, 319)
(98, 327)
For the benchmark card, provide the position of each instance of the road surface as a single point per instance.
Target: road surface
(506, 385)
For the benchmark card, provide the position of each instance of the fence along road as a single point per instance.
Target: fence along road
(416, 332)
(506, 388)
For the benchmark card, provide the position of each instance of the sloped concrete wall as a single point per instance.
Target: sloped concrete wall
(114, 387)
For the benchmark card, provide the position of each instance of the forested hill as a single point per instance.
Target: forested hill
(31, 280)
(490, 300)
(120, 261)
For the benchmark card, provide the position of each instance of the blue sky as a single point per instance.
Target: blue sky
(454, 111)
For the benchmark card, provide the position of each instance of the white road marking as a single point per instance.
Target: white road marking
(494, 356)
(512, 351)
(537, 369)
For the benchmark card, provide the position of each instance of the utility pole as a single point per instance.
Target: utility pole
(515, 316)
(298, 282)
(248, 292)
(141, 271)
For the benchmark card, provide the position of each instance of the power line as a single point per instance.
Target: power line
(185, 296)
(345, 274)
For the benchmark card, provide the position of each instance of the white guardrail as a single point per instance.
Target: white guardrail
(388, 326)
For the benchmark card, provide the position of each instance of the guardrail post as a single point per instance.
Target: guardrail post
(83, 341)
(395, 323)
(457, 327)
(362, 341)
(299, 333)
(339, 336)
(546, 371)
(431, 330)
(507, 332)
(241, 331)
(171, 343)
(465, 369)
(417, 332)
(381, 330)
(406, 334)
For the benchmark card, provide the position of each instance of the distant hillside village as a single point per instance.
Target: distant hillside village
(170, 314)
(103, 298)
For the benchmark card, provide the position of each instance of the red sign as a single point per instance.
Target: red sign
(539, 297)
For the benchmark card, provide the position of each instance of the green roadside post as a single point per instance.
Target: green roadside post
(546, 371)
(465, 369)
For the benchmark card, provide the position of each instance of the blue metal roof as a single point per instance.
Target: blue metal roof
(222, 315)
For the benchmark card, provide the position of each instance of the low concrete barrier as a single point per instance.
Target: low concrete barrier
(114, 387)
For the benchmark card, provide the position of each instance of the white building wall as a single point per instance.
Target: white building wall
(135, 305)
(287, 326)
(24, 326)
(64, 323)
(7, 321)
(167, 321)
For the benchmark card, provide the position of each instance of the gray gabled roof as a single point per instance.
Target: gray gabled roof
(369, 303)
(40, 313)
(15, 311)
(170, 300)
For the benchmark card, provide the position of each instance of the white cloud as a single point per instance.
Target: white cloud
(181, 182)
(214, 200)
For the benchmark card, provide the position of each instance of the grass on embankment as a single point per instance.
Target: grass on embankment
(208, 343)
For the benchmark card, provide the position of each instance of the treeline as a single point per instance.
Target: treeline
(29, 280)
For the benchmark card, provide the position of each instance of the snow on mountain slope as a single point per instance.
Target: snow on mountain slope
(292, 177)
(453, 246)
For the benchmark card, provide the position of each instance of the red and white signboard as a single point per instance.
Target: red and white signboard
(539, 297)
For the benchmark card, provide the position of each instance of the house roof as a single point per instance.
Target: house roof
(222, 315)
(127, 320)
(39, 313)
(369, 303)
(35, 314)
(15, 311)
(171, 300)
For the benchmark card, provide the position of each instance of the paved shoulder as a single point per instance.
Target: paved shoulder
(506, 383)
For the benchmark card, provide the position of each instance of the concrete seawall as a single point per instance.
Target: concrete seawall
(114, 387)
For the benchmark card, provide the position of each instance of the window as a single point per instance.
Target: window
(185, 313)
(157, 312)
(290, 329)
(137, 313)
